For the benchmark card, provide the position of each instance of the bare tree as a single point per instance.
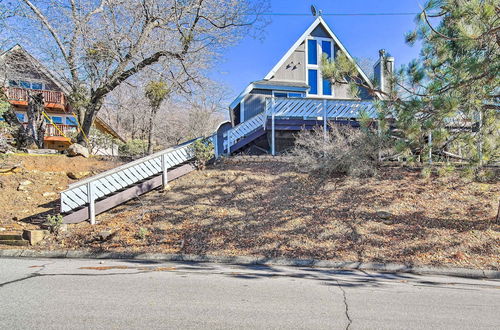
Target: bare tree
(96, 46)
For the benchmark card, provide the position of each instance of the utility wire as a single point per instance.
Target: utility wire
(338, 14)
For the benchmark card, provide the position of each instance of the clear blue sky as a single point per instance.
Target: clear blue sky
(363, 36)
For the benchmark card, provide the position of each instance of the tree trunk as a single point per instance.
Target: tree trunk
(21, 135)
(36, 123)
(152, 116)
(88, 121)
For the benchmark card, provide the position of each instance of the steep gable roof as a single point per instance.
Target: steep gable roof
(39, 66)
(318, 22)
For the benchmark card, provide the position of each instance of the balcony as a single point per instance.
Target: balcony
(54, 131)
(52, 99)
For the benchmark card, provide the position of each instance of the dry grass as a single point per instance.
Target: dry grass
(268, 209)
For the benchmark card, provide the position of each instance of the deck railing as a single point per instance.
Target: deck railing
(21, 94)
(324, 109)
(61, 130)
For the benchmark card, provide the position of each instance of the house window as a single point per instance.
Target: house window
(20, 116)
(317, 47)
(295, 94)
(326, 47)
(327, 87)
(25, 84)
(57, 119)
(13, 83)
(312, 52)
(313, 81)
(288, 94)
(71, 121)
(36, 85)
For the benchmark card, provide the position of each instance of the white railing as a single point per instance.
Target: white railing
(299, 108)
(232, 136)
(85, 192)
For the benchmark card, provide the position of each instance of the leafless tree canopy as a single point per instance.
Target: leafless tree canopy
(94, 46)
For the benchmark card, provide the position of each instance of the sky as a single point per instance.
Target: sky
(251, 59)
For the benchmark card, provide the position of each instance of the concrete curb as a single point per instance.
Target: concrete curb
(247, 260)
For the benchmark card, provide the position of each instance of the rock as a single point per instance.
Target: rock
(49, 193)
(105, 235)
(384, 215)
(35, 236)
(23, 185)
(77, 175)
(77, 150)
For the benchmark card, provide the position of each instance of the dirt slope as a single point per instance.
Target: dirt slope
(268, 209)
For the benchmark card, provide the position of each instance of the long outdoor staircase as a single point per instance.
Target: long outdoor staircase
(85, 199)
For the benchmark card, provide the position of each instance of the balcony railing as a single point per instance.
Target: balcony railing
(61, 130)
(50, 98)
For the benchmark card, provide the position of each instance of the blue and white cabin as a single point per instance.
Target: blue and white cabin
(295, 89)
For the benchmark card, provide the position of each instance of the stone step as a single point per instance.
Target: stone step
(11, 236)
(14, 242)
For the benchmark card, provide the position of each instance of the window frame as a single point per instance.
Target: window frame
(317, 67)
(55, 122)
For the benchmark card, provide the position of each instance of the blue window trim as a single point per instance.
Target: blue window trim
(312, 78)
(312, 51)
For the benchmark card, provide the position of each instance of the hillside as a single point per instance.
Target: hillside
(269, 209)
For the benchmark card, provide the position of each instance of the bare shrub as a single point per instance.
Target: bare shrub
(343, 151)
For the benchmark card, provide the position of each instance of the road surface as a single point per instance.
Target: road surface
(113, 294)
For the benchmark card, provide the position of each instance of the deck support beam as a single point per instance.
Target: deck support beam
(325, 128)
(164, 178)
(91, 201)
(273, 130)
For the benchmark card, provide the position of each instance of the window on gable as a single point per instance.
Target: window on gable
(312, 52)
(312, 76)
(326, 47)
(36, 85)
(327, 87)
(25, 84)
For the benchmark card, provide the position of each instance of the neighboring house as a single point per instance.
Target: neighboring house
(21, 73)
(295, 94)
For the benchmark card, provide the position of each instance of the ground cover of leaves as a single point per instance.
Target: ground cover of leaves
(269, 209)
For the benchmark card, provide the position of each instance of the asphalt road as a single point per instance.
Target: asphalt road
(93, 294)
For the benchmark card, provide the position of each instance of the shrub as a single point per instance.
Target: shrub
(345, 151)
(54, 222)
(142, 233)
(133, 148)
(426, 172)
(203, 150)
(444, 171)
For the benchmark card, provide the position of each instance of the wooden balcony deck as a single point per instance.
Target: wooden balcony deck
(52, 99)
(51, 132)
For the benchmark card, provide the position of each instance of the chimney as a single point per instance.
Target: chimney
(383, 69)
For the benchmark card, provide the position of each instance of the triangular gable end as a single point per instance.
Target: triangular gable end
(318, 28)
(38, 66)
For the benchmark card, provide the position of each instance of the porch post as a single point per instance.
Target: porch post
(273, 133)
(164, 178)
(324, 120)
(91, 201)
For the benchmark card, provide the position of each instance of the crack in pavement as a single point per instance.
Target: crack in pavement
(346, 305)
